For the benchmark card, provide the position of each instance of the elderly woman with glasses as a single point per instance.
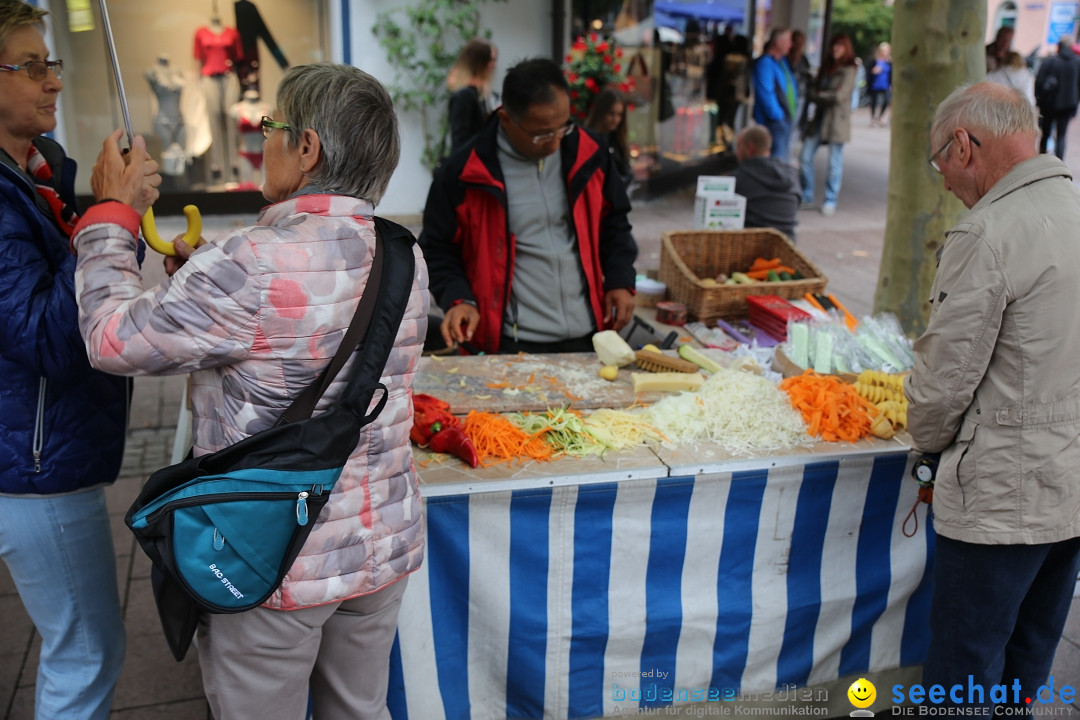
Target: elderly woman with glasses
(256, 315)
(62, 423)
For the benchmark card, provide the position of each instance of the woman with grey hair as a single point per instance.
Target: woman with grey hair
(255, 315)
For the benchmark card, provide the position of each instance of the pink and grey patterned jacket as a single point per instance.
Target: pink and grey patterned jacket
(254, 316)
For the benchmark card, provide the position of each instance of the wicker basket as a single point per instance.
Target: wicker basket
(690, 260)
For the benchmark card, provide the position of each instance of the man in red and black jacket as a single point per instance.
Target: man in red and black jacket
(525, 232)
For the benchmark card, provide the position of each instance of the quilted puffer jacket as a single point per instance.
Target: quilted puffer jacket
(254, 316)
(62, 423)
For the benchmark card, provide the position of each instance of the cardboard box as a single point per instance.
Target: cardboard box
(719, 212)
(716, 185)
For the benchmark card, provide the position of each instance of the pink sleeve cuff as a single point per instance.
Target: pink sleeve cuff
(110, 212)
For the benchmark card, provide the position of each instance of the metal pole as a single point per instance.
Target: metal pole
(116, 70)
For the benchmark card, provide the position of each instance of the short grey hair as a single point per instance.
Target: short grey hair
(16, 14)
(993, 109)
(354, 117)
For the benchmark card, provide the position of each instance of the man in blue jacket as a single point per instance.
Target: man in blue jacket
(62, 423)
(776, 95)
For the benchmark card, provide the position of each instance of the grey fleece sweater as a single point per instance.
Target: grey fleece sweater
(547, 301)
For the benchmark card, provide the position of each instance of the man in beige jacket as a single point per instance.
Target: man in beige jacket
(996, 391)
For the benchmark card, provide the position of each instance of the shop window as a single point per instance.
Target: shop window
(198, 77)
(678, 118)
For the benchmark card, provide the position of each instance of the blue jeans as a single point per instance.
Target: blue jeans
(59, 550)
(780, 130)
(997, 614)
(806, 168)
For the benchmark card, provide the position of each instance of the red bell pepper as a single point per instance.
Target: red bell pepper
(436, 427)
(453, 440)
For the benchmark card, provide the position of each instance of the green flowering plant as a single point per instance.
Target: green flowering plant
(592, 65)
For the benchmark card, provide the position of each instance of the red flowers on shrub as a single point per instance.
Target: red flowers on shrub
(590, 67)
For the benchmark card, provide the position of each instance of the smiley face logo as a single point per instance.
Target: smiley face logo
(862, 693)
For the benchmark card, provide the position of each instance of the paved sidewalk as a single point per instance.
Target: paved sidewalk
(153, 686)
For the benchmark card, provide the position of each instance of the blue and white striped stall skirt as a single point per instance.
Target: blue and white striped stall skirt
(581, 601)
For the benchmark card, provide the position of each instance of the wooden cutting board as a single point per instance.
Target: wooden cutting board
(525, 382)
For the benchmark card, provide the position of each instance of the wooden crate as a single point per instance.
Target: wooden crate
(690, 261)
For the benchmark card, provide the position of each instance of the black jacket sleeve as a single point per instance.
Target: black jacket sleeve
(446, 268)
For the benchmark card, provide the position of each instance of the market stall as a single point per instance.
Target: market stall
(589, 587)
(754, 546)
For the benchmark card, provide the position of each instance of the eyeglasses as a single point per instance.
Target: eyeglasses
(269, 125)
(933, 158)
(38, 69)
(541, 138)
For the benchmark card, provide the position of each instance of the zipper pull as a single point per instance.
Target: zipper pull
(37, 461)
(219, 540)
(301, 509)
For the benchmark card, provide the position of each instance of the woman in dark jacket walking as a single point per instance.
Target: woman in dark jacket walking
(61, 423)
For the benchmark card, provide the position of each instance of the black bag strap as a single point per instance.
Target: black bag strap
(399, 270)
(393, 261)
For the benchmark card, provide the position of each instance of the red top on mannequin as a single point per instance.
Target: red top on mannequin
(217, 51)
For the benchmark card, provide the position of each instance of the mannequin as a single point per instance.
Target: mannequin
(167, 84)
(217, 48)
(247, 115)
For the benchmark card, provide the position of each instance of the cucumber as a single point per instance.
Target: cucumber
(786, 276)
(698, 358)
(823, 347)
(773, 276)
(799, 342)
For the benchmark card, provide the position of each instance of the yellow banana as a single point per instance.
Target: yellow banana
(150, 233)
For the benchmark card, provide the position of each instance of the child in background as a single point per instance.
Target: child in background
(880, 84)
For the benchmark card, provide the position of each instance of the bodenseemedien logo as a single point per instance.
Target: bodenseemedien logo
(862, 694)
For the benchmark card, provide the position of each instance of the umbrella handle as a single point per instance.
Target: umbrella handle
(191, 236)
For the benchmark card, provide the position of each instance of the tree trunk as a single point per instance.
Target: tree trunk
(937, 46)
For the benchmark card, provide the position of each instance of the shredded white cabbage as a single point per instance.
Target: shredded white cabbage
(742, 412)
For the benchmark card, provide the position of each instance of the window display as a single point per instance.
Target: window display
(202, 99)
(678, 116)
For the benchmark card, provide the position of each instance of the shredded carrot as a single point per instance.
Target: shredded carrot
(497, 439)
(532, 376)
(498, 385)
(831, 408)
